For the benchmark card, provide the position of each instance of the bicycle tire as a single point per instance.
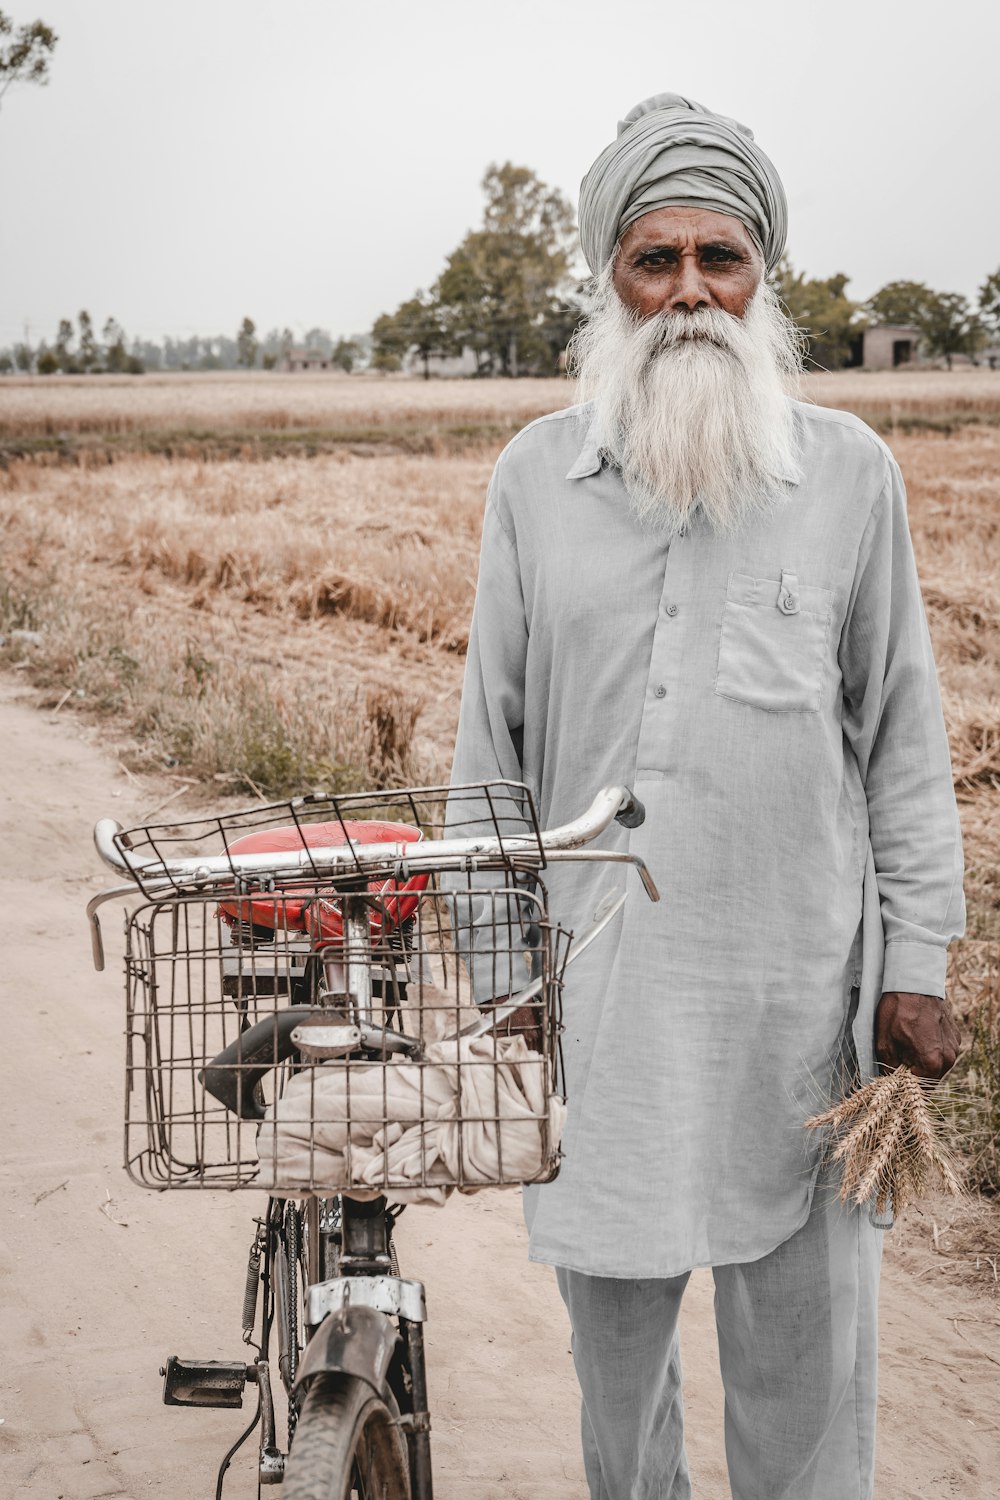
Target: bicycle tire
(348, 1445)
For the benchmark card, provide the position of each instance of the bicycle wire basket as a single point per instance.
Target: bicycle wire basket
(272, 1044)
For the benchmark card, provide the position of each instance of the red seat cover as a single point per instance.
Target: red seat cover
(297, 908)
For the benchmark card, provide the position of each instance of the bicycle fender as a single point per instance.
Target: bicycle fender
(354, 1341)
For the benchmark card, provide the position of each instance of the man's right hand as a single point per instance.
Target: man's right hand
(526, 1021)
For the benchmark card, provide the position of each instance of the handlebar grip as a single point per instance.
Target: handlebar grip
(233, 1075)
(106, 831)
(633, 814)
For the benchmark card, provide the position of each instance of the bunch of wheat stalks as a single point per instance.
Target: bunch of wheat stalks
(885, 1138)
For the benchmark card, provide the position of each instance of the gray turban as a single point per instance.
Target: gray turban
(672, 152)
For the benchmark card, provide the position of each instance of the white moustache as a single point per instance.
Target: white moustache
(705, 325)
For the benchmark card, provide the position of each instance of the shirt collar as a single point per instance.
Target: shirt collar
(591, 458)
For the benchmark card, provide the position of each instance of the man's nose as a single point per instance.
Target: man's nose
(689, 290)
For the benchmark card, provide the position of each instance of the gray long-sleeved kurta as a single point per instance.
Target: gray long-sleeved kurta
(773, 700)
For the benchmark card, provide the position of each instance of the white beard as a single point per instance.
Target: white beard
(693, 407)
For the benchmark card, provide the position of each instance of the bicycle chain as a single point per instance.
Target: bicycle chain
(292, 1248)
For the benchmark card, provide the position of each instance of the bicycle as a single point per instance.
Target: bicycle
(354, 1012)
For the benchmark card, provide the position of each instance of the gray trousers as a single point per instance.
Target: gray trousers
(797, 1346)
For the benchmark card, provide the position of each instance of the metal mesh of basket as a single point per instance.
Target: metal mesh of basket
(335, 1034)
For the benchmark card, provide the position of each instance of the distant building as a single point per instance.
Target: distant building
(890, 348)
(305, 359)
(444, 365)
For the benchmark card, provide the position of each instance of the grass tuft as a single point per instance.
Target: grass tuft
(973, 1100)
(186, 708)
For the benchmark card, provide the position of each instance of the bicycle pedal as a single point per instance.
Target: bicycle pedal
(271, 1466)
(204, 1382)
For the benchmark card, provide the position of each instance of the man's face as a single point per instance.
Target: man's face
(689, 360)
(675, 260)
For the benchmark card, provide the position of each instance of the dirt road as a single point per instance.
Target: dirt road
(101, 1280)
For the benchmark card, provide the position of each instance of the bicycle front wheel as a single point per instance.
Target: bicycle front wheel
(347, 1445)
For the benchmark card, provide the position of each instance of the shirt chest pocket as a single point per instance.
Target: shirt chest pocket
(773, 648)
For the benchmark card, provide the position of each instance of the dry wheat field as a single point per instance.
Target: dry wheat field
(252, 410)
(264, 582)
(252, 413)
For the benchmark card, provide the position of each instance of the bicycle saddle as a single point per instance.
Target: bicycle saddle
(303, 908)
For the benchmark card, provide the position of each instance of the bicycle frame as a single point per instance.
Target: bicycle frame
(334, 1303)
(361, 1318)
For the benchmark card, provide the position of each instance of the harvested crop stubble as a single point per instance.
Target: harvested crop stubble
(247, 401)
(918, 400)
(954, 503)
(188, 599)
(974, 1096)
(390, 541)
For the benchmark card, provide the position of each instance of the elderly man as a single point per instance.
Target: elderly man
(701, 587)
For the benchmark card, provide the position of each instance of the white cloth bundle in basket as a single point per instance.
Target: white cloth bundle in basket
(474, 1111)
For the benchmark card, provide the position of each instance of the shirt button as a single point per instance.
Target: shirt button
(661, 691)
(671, 609)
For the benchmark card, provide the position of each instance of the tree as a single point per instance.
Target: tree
(345, 355)
(64, 338)
(274, 346)
(246, 344)
(820, 308)
(468, 304)
(47, 362)
(508, 279)
(989, 304)
(89, 356)
(900, 304)
(115, 354)
(23, 358)
(388, 347)
(6, 362)
(505, 290)
(950, 327)
(26, 58)
(147, 354)
(415, 325)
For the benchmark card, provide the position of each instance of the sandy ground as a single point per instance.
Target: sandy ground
(101, 1280)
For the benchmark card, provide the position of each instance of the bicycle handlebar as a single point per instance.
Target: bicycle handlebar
(612, 802)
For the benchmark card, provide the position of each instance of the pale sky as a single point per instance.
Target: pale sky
(314, 161)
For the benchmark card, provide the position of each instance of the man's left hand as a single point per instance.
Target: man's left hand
(918, 1031)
